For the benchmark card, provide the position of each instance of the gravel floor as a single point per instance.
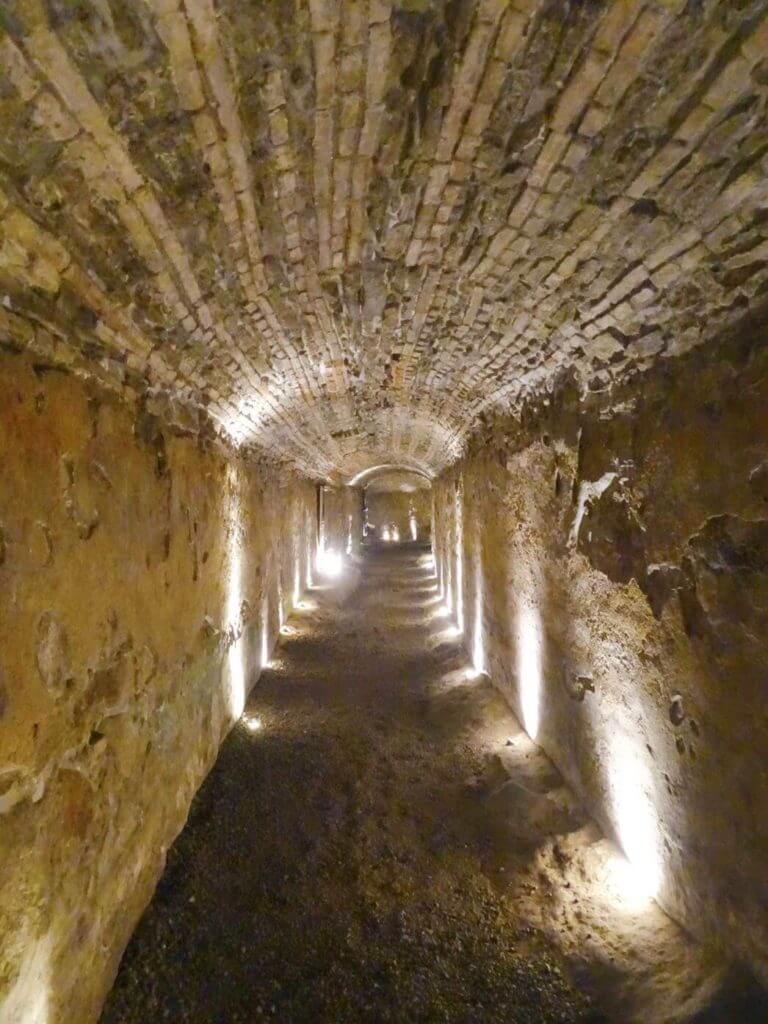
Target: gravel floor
(342, 864)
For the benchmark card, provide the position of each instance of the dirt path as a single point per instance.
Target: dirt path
(389, 847)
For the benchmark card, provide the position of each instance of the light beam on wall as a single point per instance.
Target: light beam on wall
(28, 1000)
(529, 667)
(414, 527)
(458, 581)
(309, 579)
(478, 646)
(234, 603)
(634, 814)
(265, 634)
(296, 596)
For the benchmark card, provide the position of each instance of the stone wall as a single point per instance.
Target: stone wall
(609, 564)
(346, 229)
(343, 521)
(397, 508)
(142, 573)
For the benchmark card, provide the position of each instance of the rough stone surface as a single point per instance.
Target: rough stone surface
(245, 246)
(620, 553)
(143, 579)
(344, 229)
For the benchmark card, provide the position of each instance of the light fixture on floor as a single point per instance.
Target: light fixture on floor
(252, 723)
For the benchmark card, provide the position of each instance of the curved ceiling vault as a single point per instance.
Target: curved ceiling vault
(347, 227)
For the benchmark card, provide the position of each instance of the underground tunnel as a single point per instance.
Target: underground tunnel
(383, 511)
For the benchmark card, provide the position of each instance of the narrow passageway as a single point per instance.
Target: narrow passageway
(378, 841)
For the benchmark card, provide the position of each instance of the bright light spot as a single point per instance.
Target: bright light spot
(296, 595)
(459, 580)
(329, 563)
(385, 534)
(459, 587)
(309, 581)
(349, 536)
(529, 668)
(478, 650)
(414, 528)
(236, 652)
(252, 723)
(634, 813)
(620, 880)
(265, 636)
(395, 535)
(28, 999)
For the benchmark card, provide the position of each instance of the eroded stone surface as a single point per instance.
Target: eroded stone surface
(634, 646)
(126, 653)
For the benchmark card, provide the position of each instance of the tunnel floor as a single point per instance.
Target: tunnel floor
(389, 846)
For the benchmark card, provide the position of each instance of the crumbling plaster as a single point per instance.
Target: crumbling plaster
(143, 571)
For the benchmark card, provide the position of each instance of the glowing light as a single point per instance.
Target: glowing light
(529, 668)
(634, 816)
(349, 536)
(296, 596)
(459, 587)
(414, 528)
(252, 723)
(395, 535)
(265, 636)
(329, 563)
(385, 535)
(309, 580)
(362, 476)
(478, 650)
(236, 652)
(459, 581)
(28, 1000)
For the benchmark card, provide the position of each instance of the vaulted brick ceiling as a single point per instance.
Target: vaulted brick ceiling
(348, 227)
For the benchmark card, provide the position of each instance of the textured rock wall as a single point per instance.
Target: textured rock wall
(141, 578)
(388, 508)
(613, 569)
